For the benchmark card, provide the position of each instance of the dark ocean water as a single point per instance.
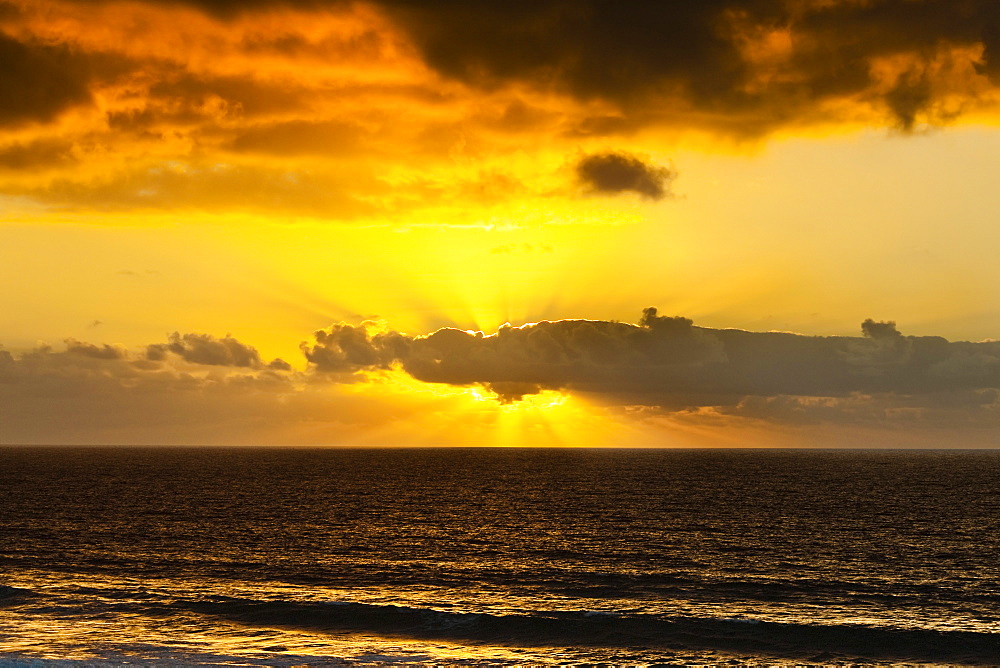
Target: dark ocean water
(489, 556)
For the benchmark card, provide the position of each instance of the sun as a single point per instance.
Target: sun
(416, 413)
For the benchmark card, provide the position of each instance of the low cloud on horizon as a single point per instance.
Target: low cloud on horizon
(661, 367)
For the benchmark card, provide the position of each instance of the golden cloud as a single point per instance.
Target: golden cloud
(360, 107)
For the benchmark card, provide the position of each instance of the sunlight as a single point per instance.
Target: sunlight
(472, 415)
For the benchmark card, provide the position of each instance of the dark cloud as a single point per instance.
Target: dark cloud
(615, 172)
(661, 368)
(104, 352)
(98, 394)
(908, 98)
(667, 360)
(69, 396)
(509, 392)
(948, 408)
(879, 330)
(344, 348)
(209, 350)
(38, 81)
(278, 364)
(594, 48)
(743, 65)
(115, 361)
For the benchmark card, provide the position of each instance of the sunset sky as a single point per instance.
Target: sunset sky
(419, 222)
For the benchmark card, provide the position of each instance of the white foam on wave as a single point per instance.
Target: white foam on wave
(598, 613)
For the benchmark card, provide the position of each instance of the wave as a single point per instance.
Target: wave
(602, 629)
(10, 596)
(6, 591)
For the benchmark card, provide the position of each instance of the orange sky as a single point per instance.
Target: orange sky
(249, 175)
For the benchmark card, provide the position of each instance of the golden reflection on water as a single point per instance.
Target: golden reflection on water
(98, 626)
(125, 638)
(173, 637)
(393, 554)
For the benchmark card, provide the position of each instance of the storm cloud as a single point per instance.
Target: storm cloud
(750, 65)
(302, 107)
(741, 66)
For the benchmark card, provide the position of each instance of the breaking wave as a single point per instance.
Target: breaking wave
(602, 629)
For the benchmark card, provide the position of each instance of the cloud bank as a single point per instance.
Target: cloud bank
(669, 359)
(195, 390)
(750, 64)
(661, 368)
(346, 111)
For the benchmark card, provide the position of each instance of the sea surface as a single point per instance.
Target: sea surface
(281, 556)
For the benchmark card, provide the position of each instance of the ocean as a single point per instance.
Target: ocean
(288, 556)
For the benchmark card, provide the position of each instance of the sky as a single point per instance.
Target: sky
(727, 223)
